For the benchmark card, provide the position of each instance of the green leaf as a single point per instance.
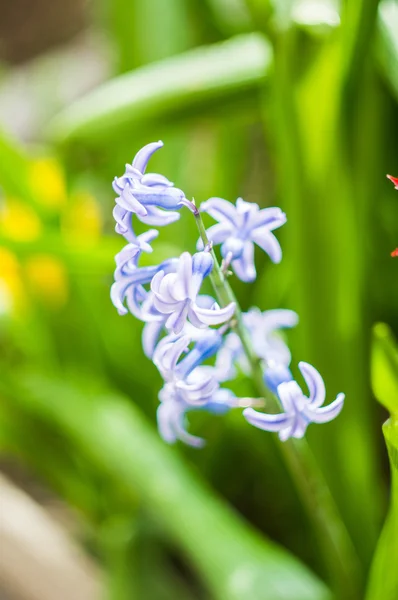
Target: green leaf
(203, 77)
(383, 582)
(385, 367)
(14, 169)
(234, 561)
(387, 43)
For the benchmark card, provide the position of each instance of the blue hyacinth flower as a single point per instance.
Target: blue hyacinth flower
(241, 226)
(299, 410)
(175, 294)
(188, 385)
(147, 195)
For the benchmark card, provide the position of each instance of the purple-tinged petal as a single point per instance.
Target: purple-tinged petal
(183, 277)
(215, 317)
(326, 413)
(204, 348)
(271, 218)
(155, 179)
(194, 319)
(142, 157)
(168, 352)
(150, 336)
(268, 242)
(158, 218)
(129, 201)
(244, 266)
(177, 319)
(170, 420)
(221, 402)
(265, 421)
(288, 393)
(124, 224)
(279, 318)
(315, 384)
(219, 209)
(276, 374)
(234, 247)
(146, 238)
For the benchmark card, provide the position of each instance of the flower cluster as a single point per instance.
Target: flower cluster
(184, 328)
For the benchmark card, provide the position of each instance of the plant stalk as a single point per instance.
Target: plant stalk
(334, 541)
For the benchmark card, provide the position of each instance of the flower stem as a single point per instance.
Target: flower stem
(333, 538)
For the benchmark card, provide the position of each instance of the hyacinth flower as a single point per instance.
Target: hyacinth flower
(175, 294)
(299, 410)
(147, 195)
(188, 385)
(155, 323)
(264, 330)
(239, 227)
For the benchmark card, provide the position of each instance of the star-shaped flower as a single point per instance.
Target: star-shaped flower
(175, 294)
(145, 194)
(239, 228)
(299, 410)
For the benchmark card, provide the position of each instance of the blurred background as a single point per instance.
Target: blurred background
(290, 103)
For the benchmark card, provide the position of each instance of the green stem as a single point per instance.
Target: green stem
(335, 543)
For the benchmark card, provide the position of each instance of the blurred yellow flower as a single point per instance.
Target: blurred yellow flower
(82, 220)
(11, 287)
(47, 182)
(19, 222)
(47, 278)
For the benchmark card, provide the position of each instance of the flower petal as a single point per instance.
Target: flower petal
(315, 384)
(219, 209)
(214, 317)
(268, 242)
(326, 413)
(142, 157)
(150, 336)
(158, 218)
(265, 421)
(244, 266)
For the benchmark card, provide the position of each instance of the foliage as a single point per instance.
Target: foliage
(286, 105)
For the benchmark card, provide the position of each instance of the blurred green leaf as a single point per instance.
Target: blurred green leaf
(198, 79)
(387, 43)
(385, 367)
(14, 166)
(234, 561)
(383, 582)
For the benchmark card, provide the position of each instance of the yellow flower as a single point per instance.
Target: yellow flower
(12, 295)
(47, 182)
(47, 278)
(19, 222)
